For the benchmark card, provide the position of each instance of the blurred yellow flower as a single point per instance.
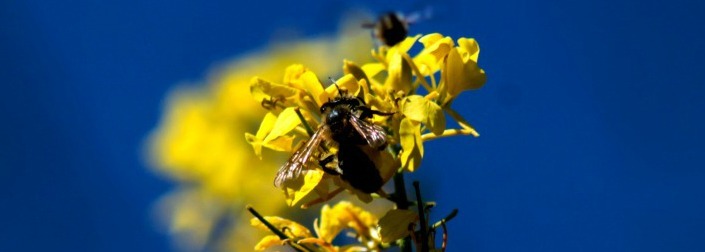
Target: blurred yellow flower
(199, 143)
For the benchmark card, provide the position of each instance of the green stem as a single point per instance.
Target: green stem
(308, 128)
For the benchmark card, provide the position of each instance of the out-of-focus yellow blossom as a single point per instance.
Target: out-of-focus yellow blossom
(333, 220)
(199, 143)
(443, 68)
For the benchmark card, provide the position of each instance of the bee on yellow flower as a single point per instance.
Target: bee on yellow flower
(385, 101)
(378, 124)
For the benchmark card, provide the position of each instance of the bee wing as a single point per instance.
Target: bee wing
(297, 162)
(372, 133)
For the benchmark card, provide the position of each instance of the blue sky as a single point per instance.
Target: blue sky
(591, 119)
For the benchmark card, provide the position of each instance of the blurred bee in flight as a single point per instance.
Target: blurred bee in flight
(393, 27)
(345, 125)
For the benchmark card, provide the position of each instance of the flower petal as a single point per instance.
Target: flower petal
(282, 143)
(262, 90)
(330, 224)
(436, 120)
(436, 47)
(469, 49)
(411, 144)
(404, 46)
(285, 123)
(292, 227)
(347, 83)
(372, 69)
(268, 241)
(394, 225)
(399, 78)
(299, 188)
(414, 108)
(264, 128)
(461, 76)
(420, 109)
(313, 86)
(350, 67)
(345, 215)
(293, 73)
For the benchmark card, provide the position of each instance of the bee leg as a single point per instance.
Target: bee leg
(330, 165)
(368, 112)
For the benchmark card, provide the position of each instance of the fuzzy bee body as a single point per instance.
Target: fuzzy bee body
(345, 124)
(358, 169)
(391, 28)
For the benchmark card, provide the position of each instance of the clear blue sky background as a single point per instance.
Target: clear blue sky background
(592, 119)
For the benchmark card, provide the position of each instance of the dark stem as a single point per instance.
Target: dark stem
(422, 218)
(402, 203)
(266, 223)
(445, 237)
(449, 217)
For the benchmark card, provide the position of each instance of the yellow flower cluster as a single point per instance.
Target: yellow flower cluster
(443, 68)
(199, 143)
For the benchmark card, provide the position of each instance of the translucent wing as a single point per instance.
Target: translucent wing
(372, 133)
(297, 162)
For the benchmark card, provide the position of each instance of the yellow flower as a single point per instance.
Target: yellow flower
(333, 220)
(461, 71)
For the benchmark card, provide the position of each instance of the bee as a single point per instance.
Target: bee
(393, 27)
(345, 123)
(390, 28)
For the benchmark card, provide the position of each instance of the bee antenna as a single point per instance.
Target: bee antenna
(336, 86)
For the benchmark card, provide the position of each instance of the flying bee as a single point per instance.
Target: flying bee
(345, 123)
(390, 28)
(393, 27)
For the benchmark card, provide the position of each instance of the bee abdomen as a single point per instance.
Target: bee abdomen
(358, 169)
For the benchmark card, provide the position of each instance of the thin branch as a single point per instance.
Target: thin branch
(448, 133)
(402, 203)
(449, 217)
(445, 237)
(422, 218)
(461, 121)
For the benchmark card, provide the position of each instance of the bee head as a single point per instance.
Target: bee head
(343, 99)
